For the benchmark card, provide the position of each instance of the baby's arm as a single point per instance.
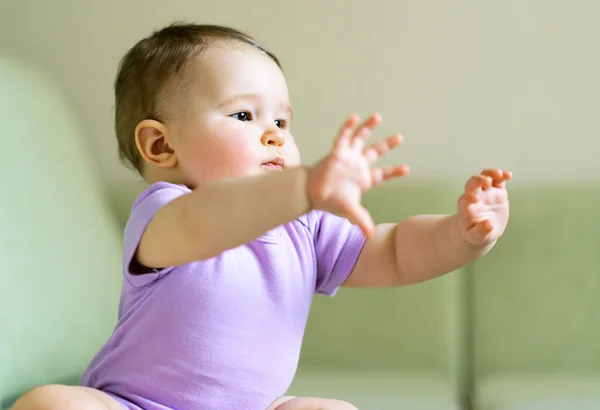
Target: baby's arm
(222, 215)
(228, 213)
(426, 246)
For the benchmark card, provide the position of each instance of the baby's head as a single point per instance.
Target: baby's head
(196, 103)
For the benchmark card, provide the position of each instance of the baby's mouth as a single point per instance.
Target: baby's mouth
(274, 164)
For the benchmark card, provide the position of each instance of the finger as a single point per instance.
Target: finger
(482, 230)
(477, 183)
(358, 215)
(380, 148)
(465, 207)
(499, 176)
(473, 212)
(364, 131)
(497, 173)
(469, 197)
(346, 131)
(381, 174)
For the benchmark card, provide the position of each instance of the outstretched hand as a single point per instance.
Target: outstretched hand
(337, 182)
(483, 209)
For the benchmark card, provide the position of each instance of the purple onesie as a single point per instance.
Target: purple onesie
(223, 333)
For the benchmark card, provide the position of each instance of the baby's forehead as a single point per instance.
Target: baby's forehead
(228, 69)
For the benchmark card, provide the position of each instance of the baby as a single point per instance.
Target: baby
(226, 248)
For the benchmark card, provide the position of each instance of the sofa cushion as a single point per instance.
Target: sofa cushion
(535, 295)
(539, 392)
(378, 390)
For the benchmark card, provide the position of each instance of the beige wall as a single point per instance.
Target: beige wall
(471, 83)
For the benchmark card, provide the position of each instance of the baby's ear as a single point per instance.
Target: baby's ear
(153, 144)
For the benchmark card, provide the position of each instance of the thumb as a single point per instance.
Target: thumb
(481, 231)
(358, 215)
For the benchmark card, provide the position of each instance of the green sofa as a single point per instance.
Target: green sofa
(517, 330)
(59, 240)
(536, 316)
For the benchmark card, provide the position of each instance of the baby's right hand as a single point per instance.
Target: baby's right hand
(337, 182)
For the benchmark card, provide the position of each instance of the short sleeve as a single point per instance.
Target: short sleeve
(338, 244)
(143, 210)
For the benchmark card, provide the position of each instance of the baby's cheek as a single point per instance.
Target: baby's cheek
(292, 155)
(236, 157)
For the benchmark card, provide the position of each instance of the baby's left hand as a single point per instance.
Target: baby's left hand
(483, 208)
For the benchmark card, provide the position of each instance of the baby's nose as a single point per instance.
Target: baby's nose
(273, 137)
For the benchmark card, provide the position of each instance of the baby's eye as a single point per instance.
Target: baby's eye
(242, 116)
(281, 123)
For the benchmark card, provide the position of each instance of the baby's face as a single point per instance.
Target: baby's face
(235, 117)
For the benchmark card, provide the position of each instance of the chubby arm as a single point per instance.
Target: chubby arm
(228, 213)
(415, 250)
(222, 215)
(426, 246)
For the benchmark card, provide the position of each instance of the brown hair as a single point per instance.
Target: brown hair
(152, 67)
